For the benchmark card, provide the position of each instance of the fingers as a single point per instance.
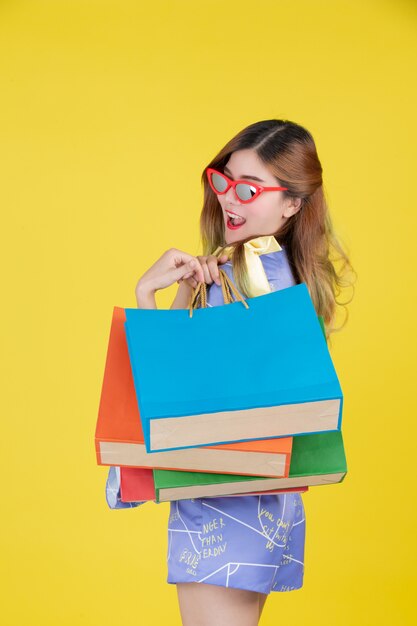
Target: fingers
(203, 261)
(178, 257)
(184, 263)
(187, 278)
(201, 269)
(213, 266)
(191, 281)
(210, 267)
(191, 268)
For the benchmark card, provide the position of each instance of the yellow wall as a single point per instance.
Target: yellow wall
(109, 112)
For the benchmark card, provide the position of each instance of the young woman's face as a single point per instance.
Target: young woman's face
(265, 214)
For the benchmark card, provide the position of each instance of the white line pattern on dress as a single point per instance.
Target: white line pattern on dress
(255, 530)
(189, 533)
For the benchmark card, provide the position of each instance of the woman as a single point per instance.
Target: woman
(266, 222)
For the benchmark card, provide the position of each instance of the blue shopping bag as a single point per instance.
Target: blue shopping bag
(233, 373)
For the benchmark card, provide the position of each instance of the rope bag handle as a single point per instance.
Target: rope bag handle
(199, 293)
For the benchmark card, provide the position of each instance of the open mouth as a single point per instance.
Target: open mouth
(234, 221)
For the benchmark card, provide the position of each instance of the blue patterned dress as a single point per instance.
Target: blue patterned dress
(245, 542)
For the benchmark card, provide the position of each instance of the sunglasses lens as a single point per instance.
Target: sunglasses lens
(219, 183)
(245, 192)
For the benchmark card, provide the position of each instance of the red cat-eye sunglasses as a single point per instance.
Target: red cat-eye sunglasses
(244, 191)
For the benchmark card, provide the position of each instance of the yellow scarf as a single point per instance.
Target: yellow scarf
(253, 249)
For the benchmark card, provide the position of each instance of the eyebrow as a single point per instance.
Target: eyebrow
(226, 169)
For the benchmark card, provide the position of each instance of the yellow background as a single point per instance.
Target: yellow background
(109, 113)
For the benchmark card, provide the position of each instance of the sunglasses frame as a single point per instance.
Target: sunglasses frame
(232, 183)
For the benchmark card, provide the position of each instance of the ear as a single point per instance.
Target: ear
(292, 207)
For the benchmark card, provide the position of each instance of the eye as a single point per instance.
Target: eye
(219, 182)
(245, 191)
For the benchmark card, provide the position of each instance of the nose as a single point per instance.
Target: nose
(231, 197)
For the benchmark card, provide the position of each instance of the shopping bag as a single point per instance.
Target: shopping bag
(317, 459)
(134, 481)
(119, 436)
(254, 369)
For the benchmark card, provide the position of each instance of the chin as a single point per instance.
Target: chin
(233, 237)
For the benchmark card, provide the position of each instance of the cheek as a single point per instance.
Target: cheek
(267, 214)
(221, 201)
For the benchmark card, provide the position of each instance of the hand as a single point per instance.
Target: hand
(172, 266)
(210, 268)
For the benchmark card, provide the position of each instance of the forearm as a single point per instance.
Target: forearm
(182, 298)
(145, 297)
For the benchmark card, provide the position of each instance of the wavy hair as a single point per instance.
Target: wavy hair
(315, 253)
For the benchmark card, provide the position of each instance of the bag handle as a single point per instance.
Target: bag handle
(227, 288)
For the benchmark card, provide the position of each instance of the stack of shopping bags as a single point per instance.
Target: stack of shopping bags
(221, 401)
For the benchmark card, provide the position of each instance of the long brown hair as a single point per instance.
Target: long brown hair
(289, 152)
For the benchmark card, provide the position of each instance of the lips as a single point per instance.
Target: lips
(232, 213)
(234, 220)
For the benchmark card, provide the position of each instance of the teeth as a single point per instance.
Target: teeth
(235, 217)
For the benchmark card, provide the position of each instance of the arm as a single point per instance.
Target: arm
(172, 266)
(182, 298)
(145, 297)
